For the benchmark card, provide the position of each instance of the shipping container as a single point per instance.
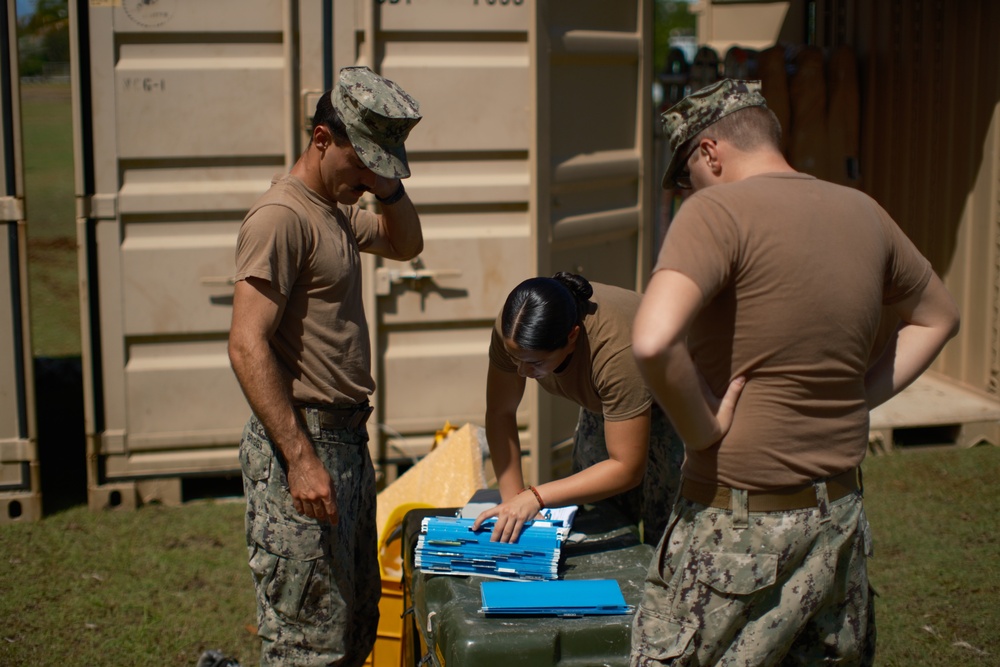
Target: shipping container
(20, 485)
(533, 156)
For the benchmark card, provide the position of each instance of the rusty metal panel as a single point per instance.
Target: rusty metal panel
(20, 489)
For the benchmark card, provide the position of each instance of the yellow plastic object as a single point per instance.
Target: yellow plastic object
(388, 650)
(442, 433)
(390, 541)
(446, 477)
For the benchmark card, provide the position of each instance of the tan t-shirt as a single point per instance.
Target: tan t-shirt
(795, 272)
(307, 248)
(602, 375)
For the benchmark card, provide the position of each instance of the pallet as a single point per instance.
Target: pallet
(935, 411)
(23, 504)
(20, 506)
(170, 491)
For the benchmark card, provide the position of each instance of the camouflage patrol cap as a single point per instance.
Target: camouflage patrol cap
(683, 121)
(379, 115)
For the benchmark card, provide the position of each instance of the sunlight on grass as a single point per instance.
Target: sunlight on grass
(46, 114)
(155, 586)
(159, 585)
(937, 556)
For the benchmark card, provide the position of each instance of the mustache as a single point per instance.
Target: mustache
(361, 188)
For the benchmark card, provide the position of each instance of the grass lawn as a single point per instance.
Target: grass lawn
(936, 520)
(151, 587)
(161, 584)
(47, 130)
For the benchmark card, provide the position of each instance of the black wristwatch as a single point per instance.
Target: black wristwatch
(394, 197)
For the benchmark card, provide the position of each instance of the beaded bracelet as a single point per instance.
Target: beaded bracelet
(394, 197)
(538, 496)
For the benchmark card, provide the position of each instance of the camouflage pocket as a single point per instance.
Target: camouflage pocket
(294, 541)
(656, 637)
(738, 574)
(284, 564)
(255, 456)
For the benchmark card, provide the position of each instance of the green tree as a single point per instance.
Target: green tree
(43, 36)
(47, 13)
(670, 18)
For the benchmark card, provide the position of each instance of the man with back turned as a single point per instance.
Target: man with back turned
(755, 334)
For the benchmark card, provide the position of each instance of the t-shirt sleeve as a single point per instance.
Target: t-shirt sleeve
(364, 223)
(702, 244)
(907, 271)
(271, 246)
(620, 386)
(498, 353)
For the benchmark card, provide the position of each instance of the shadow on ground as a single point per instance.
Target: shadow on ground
(62, 450)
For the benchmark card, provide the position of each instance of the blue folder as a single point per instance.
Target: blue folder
(562, 597)
(448, 545)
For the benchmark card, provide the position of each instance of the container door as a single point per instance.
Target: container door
(595, 161)
(20, 497)
(470, 67)
(530, 159)
(186, 111)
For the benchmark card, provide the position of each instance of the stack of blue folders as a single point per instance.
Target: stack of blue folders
(448, 545)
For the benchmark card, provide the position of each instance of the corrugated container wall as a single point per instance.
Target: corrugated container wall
(20, 487)
(932, 158)
(929, 75)
(531, 158)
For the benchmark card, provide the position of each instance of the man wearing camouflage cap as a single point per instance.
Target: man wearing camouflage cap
(768, 293)
(299, 346)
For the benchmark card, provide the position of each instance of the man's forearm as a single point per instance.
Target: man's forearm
(930, 319)
(265, 390)
(402, 228)
(909, 352)
(675, 383)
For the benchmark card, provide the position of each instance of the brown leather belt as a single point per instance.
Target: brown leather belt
(335, 417)
(776, 500)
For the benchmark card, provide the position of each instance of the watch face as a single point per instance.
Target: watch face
(149, 13)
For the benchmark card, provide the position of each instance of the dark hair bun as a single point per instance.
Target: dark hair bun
(578, 285)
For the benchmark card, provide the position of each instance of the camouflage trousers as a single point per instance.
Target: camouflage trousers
(650, 502)
(759, 588)
(317, 585)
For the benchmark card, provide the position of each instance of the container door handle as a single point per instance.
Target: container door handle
(385, 278)
(218, 281)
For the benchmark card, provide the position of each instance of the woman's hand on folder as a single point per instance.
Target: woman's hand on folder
(510, 516)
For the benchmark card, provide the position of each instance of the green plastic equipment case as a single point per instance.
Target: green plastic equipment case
(445, 625)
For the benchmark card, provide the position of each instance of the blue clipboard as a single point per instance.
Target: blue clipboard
(562, 597)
